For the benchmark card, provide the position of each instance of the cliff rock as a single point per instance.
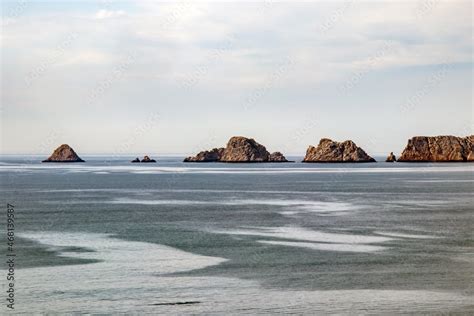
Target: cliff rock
(64, 153)
(238, 149)
(439, 149)
(331, 151)
(242, 149)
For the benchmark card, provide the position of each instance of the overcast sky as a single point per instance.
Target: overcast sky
(162, 78)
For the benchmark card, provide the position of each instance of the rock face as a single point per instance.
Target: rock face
(277, 157)
(238, 149)
(331, 151)
(242, 149)
(147, 159)
(391, 158)
(207, 156)
(64, 153)
(439, 148)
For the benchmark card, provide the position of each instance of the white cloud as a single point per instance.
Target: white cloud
(226, 50)
(106, 14)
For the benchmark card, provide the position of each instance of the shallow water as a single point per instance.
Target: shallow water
(111, 237)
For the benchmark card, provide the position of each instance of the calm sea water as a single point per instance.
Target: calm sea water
(174, 238)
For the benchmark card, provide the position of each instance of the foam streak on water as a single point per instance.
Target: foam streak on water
(132, 277)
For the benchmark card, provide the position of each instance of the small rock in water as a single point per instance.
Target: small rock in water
(147, 159)
(391, 158)
(64, 153)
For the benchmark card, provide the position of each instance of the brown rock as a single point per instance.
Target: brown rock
(64, 153)
(331, 151)
(242, 149)
(277, 157)
(207, 156)
(238, 149)
(147, 159)
(439, 149)
(391, 158)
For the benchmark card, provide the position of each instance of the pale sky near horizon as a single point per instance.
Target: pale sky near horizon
(156, 77)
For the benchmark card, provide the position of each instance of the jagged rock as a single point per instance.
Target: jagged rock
(136, 160)
(439, 148)
(391, 158)
(64, 153)
(207, 156)
(277, 157)
(238, 149)
(242, 149)
(331, 151)
(147, 159)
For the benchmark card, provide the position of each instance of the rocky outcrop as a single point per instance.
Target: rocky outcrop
(64, 153)
(242, 149)
(213, 155)
(277, 157)
(391, 158)
(439, 149)
(238, 149)
(147, 159)
(331, 151)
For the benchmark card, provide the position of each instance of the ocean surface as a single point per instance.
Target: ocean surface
(109, 237)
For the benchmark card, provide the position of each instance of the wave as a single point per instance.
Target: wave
(325, 247)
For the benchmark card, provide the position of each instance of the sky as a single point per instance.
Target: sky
(153, 77)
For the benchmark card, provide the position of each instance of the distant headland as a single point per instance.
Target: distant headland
(241, 149)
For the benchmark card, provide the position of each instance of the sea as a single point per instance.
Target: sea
(111, 237)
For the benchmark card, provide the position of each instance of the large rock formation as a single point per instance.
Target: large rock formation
(331, 151)
(207, 156)
(439, 148)
(64, 153)
(391, 158)
(238, 149)
(242, 149)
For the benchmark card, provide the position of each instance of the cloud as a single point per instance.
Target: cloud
(209, 58)
(107, 14)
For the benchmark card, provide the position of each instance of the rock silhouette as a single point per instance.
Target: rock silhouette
(64, 153)
(332, 151)
(147, 159)
(439, 149)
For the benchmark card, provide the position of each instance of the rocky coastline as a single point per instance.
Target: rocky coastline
(241, 149)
